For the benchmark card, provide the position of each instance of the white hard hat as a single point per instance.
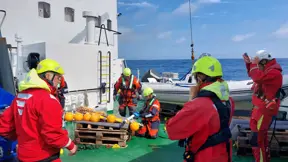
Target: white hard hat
(263, 54)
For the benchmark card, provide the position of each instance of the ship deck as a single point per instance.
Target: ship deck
(139, 150)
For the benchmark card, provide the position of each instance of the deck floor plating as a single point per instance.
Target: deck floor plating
(141, 150)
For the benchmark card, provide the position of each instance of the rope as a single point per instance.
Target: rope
(191, 34)
(190, 15)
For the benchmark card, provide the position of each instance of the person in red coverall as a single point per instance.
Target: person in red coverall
(202, 125)
(267, 77)
(128, 85)
(150, 115)
(62, 89)
(35, 116)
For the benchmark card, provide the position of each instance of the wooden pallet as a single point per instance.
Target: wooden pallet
(85, 125)
(102, 137)
(276, 149)
(102, 133)
(273, 153)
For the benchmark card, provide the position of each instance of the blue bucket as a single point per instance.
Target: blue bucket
(5, 98)
(7, 149)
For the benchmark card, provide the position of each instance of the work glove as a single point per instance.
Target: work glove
(182, 143)
(136, 114)
(246, 58)
(140, 97)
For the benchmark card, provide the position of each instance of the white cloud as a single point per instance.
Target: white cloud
(164, 35)
(241, 37)
(184, 9)
(181, 40)
(204, 26)
(125, 30)
(138, 4)
(209, 1)
(140, 25)
(282, 32)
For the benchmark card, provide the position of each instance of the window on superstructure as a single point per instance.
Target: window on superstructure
(69, 14)
(109, 24)
(44, 10)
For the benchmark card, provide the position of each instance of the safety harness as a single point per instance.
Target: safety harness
(130, 84)
(147, 106)
(49, 159)
(224, 133)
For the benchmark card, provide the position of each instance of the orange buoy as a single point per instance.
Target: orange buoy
(87, 117)
(78, 116)
(68, 116)
(111, 118)
(95, 118)
(134, 126)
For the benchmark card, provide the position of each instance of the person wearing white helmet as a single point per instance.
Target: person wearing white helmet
(266, 74)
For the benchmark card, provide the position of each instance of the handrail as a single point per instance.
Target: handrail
(104, 28)
(100, 79)
(109, 55)
(2, 21)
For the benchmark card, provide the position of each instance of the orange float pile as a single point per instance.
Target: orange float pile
(88, 114)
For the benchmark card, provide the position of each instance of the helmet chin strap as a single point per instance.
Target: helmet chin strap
(49, 81)
(207, 79)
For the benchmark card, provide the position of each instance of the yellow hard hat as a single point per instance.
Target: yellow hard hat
(208, 65)
(126, 72)
(49, 65)
(147, 91)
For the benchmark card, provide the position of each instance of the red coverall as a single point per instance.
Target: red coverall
(35, 119)
(200, 119)
(150, 119)
(128, 96)
(267, 82)
(63, 89)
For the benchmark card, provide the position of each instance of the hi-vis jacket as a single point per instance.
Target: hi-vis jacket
(200, 120)
(35, 119)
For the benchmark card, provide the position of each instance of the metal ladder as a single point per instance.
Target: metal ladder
(104, 70)
(105, 77)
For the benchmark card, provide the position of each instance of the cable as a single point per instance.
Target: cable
(191, 34)
(190, 15)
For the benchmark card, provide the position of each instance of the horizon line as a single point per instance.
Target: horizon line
(189, 59)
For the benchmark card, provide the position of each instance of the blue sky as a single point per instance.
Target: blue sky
(159, 29)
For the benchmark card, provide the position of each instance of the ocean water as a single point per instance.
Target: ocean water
(233, 69)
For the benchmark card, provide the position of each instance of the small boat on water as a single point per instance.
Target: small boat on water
(176, 91)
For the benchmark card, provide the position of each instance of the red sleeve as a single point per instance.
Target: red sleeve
(137, 84)
(7, 124)
(117, 85)
(258, 76)
(63, 83)
(232, 108)
(51, 120)
(190, 119)
(248, 67)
